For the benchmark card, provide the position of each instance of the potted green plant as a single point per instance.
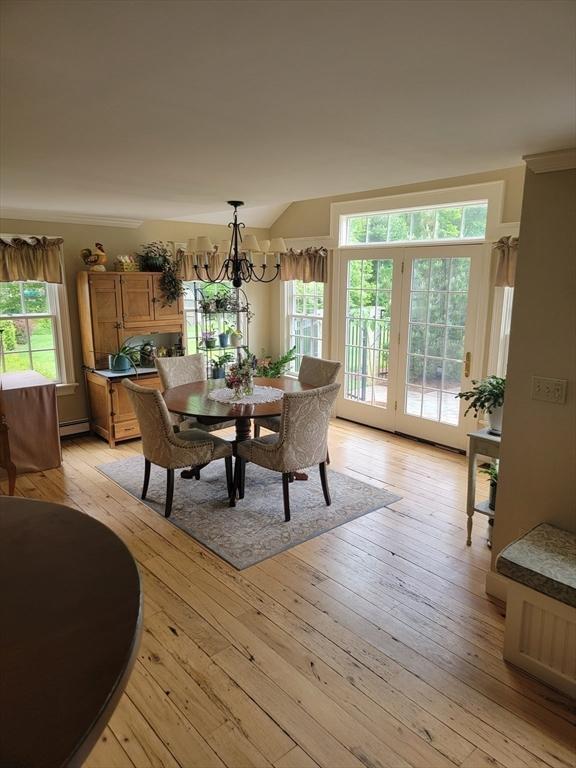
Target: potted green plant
(153, 256)
(127, 357)
(222, 298)
(235, 337)
(487, 396)
(219, 365)
(224, 337)
(492, 472)
(209, 338)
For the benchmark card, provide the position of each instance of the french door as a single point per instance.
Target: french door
(407, 336)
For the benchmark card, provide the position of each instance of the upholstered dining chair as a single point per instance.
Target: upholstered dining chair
(315, 372)
(161, 446)
(300, 443)
(175, 371)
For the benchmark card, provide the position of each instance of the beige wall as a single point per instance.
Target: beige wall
(538, 453)
(311, 218)
(118, 240)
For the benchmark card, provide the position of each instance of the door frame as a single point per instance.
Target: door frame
(493, 192)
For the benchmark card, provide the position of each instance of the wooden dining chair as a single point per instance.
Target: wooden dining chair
(163, 447)
(315, 372)
(175, 371)
(301, 441)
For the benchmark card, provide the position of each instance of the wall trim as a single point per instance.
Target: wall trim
(25, 214)
(496, 585)
(547, 162)
(68, 428)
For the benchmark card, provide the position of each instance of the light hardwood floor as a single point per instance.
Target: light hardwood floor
(371, 645)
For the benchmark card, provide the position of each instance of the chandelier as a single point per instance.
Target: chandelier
(238, 267)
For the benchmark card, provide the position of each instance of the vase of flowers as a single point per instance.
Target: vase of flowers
(240, 378)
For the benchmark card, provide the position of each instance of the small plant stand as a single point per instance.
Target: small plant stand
(481, 443)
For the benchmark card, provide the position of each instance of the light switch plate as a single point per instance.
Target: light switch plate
(549, 390)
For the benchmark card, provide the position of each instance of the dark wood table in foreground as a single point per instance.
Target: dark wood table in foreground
(192, 400)
(70, 616)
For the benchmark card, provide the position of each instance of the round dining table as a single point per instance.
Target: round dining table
(70, 610)
(193, 400)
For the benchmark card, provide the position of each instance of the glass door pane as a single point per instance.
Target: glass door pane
(367, 334)
(436, 331)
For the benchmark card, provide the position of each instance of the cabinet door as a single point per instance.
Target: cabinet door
(137, 299)
(170, 312)
(106, 304)
(121, 406)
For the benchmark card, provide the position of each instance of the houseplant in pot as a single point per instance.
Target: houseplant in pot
(487, 396)
(153, 256)
(492, 472)
(224, 337)
(235, 337)
(125, 359)
(219, 365)
(209, 338)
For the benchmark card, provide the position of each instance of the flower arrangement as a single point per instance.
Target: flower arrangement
(240, 377)
(271, 369)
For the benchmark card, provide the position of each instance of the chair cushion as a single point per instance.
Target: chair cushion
(222, 448)
(545, 560)
(269, 422)
(259, 451)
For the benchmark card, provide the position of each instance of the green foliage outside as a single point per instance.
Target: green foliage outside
(28, 343)
(466, 221)
(23, 298)
(9, 335)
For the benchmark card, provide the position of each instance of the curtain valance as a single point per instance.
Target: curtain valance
(31, 258)
(215, 262)
(309, 265)
(506, 253)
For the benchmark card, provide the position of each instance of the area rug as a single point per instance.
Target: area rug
(254, 530)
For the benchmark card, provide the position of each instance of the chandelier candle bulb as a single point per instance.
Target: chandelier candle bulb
(264, 247)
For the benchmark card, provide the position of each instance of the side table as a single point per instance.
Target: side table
(484, 444)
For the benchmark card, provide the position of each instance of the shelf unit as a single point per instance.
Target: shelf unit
(215, 314)
(481, 443)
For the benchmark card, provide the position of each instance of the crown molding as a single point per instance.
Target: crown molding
(24, 214)
(547, 162)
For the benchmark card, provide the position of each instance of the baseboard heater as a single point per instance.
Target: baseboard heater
(70, 428)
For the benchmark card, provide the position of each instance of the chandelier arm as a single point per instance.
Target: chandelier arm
(262, 278)
(218, 279)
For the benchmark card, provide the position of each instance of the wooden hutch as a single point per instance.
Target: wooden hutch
(113, 307)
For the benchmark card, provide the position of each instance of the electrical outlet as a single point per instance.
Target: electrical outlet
(549, 390)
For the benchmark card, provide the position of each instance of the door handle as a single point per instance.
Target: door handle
(467, 364)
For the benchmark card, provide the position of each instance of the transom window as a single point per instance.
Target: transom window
(305, 315)
(459, 222)
(28, 319)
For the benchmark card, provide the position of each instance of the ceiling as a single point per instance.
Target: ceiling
(161, 109)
